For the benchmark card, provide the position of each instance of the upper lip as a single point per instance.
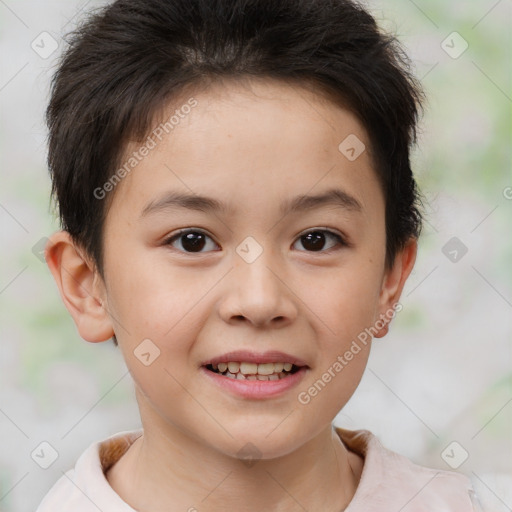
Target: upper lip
(248, 356)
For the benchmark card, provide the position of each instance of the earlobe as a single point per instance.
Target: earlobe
(393, 284)
(80, 287)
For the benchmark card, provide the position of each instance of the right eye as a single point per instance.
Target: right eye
(191, 240)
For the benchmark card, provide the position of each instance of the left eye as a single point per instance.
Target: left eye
(193, 240)
(314, 240)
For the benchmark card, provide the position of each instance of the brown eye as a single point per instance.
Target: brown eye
(314, 241)
(195, 241)
(191, 241)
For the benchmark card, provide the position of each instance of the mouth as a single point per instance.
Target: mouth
(254, 371)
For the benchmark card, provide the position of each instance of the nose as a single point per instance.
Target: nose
(259, 293)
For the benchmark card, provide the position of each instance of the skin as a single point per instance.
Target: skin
(252, 146)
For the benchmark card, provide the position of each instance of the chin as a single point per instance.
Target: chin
(262, 443)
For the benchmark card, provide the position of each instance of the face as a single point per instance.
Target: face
(259, 272)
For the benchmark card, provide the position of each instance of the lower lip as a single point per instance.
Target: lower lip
(256, 389)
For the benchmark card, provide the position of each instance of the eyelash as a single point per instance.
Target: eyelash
(340, 239)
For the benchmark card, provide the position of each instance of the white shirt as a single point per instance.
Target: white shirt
(389, 481)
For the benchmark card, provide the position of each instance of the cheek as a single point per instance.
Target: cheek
(153, 302)
(333, 383)
(345, 301)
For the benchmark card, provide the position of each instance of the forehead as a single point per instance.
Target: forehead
(250, 141)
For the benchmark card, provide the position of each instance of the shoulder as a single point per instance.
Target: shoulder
(390, 480)
(64, 496)
(85, 488)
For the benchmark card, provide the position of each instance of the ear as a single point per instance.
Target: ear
(393, 284)
(81, 288)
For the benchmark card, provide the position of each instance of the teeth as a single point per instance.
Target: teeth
(248, 368)
(253, 369)
(241, 376)
(266, 369)
(233, 367)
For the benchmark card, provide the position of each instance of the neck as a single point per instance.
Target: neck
(166, 468)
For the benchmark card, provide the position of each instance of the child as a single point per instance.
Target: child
(239, 215)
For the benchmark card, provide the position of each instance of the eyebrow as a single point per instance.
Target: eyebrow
(173, 200)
